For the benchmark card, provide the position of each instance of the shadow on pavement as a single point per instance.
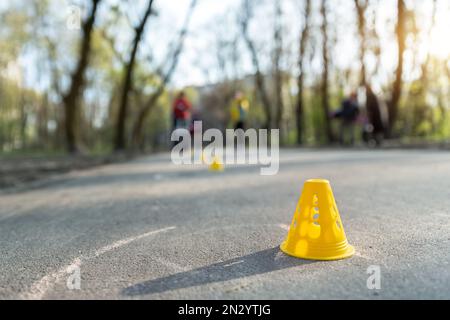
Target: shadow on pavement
(256, 263)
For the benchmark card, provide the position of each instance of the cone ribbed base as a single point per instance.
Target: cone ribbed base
(347, 253)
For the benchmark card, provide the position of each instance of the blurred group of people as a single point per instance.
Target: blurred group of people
(183, 118)
(355, 119)
(352, 119)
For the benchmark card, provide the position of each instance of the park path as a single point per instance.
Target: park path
(150, 229)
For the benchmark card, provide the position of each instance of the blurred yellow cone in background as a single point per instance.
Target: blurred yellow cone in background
(316, 231)
(204, 158)
(216, 165)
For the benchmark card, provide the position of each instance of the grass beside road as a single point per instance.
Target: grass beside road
(20, 168)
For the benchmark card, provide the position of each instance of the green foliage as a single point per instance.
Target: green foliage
(20, 109)
(158, 123)
(14, 34)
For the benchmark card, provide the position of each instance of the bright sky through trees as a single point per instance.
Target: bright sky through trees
(212, 15)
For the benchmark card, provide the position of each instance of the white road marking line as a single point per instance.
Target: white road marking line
(124, 242)
(38, 289)
(233, 263)
(284, 226)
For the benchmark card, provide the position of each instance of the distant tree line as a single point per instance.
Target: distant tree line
(92, 93)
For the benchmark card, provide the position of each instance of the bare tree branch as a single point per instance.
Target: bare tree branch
(128, 80)
(151, 102)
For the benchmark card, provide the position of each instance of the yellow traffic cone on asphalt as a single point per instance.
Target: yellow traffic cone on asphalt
(216, 165)
(316, 231)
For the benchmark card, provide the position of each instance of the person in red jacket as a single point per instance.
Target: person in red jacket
(181, 112)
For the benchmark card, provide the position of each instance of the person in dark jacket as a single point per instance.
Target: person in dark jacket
(348, 114)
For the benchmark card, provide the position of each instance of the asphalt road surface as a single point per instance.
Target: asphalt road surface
(148, 229)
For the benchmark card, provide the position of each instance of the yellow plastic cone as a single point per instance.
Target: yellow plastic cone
(316, 231)
(216, 165)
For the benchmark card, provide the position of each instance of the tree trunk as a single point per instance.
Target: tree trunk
(71, 99)
(325, 74)
(259, 77)
(23, 120)
(361, 7)
(301, 75)
(398, 83)
(372, 103)
(42, 121)
(138, 137)
(278, 73)
(120, 143)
